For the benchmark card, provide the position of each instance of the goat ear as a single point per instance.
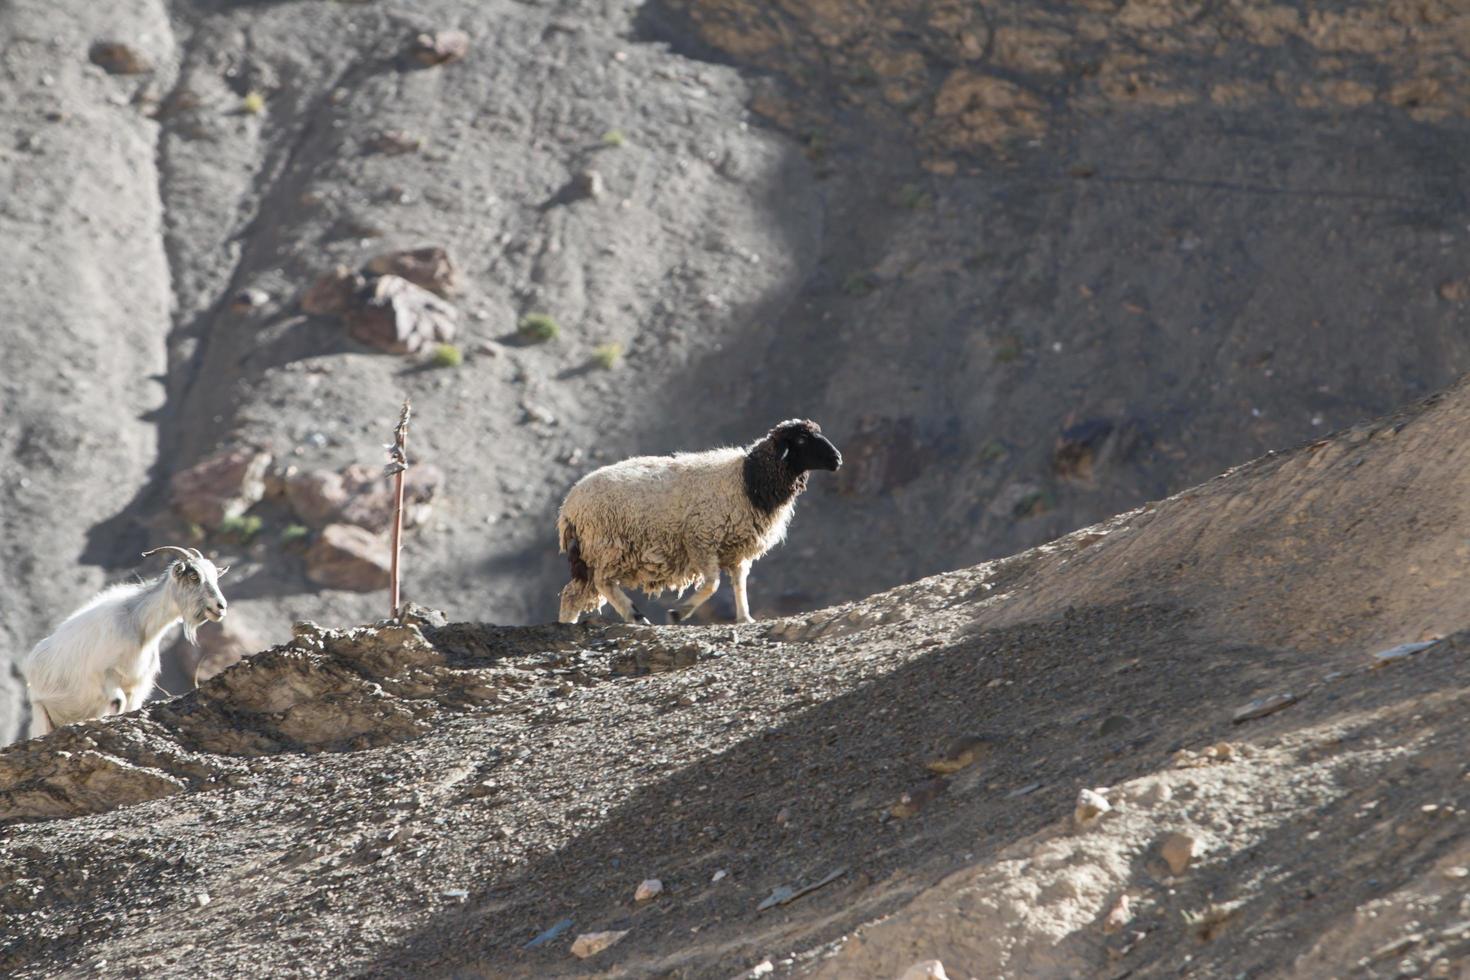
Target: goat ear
(220, 572)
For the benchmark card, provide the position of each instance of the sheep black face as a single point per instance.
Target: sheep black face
(803, 447)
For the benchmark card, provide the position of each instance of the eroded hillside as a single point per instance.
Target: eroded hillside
(1029, 264)
(1261, 680)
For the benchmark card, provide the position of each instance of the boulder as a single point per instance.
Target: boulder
(223, 486)
(429, 267)
(333, 292)
(349, 557)
(396, 316)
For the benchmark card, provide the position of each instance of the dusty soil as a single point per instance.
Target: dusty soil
(1030, 264)
(427, 799)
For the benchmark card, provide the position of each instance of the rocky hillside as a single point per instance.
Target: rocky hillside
(1218, 735)
(1030, 264)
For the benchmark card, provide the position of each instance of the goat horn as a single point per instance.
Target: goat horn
(195, 552)
(169, 547)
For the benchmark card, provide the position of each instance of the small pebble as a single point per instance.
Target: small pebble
(648, 890)
(1091, 804)
(592, 943)
(925, 970)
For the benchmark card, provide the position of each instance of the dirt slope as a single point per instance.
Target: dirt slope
(1029, 263)
(428, 799)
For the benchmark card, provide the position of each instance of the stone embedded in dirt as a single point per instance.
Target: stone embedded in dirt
(1118, 916)
(588, 185)
(118, 58)
(925, 970)
(648, 890)
(1401, 652)
(960, 753)
(1114, 724)
(316, 497)
(1178, 850)
(920, 796)
(349, 557)
(1261, 707)
(371, 496)
(333, 292)
(249, 299)
(1455, 290)
(400, 318)
(548, 935)
(201, 899)
(429, 267)
(439, 48)
(1091, 804)
(592, 943)
(394, 142)
(762, 969)
(223, 486)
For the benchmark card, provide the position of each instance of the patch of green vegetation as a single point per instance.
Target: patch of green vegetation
(993, 450)
(608, 355)
(253, 104)
(242, 527)
(859, 284)
(1008, 349)
(816, 145)
(294, 532)
(915, 198)
(447, 356)
(1034, 504)
(614, 138)
(538, 328)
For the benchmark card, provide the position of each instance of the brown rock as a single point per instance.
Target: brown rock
(394, 142)
(316, 496)
(592, 943)
(1118, 917)
(348, 557)
(333, 292)
(370, 501)
(1178, 850)
(960, 753)
(398, 317)
(920, 796)
(117, 58)
(429, 267)
(223, 486)
(439, 48)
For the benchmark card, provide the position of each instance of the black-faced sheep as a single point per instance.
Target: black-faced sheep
(670, 522)
(103, 659)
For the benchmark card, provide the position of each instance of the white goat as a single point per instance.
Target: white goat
(103, 659)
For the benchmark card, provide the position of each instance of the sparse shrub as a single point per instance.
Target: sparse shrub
(859, 284)
(613, 137)
(294, 533)
(608, 355)
(992, 451)
(1034, 504)
(242, 527)
(538, 328)
(253, 104)
(447, 356)
(1007, 349)
(915, 198)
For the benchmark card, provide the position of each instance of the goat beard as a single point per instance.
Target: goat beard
(191, 625)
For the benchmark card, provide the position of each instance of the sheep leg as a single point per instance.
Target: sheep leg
(738, 575)
(621, 602)
(707, 587)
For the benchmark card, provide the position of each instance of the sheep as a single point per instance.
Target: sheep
(671, 522)
(103, 659)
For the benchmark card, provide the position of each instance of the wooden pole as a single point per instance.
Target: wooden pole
(398, 466)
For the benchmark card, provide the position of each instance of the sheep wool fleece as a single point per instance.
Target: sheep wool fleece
(660, 522)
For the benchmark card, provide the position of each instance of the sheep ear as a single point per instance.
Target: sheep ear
(785, 451)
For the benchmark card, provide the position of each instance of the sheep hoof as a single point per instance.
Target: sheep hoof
(638, 617)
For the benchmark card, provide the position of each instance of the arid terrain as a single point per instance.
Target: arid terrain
(1031, 265)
